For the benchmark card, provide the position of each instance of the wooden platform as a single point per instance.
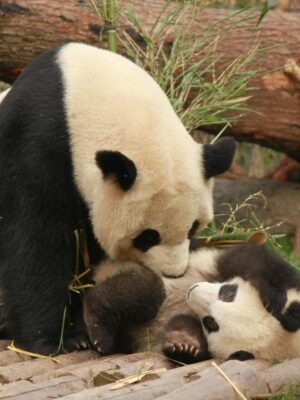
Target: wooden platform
(86, 375)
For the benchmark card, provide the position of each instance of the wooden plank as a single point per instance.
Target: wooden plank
(128, 364)
(54, 388)
(8, 357)
(213, 386)
(283, 374)
(148, 389)
(28, 369)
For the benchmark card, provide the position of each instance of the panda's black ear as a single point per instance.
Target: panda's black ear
(218, 157)
(114, 164)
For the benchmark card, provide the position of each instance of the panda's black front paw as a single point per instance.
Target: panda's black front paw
(47, 347)
(101, 339)
(40, 346)
(75, 342)
(184, 353)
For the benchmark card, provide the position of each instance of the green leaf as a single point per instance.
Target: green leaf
(264, 11)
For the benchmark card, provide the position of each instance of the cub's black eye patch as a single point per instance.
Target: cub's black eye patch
(210, 324)
(147, 239)
(193, 229)
(228, 292)
(290, 320)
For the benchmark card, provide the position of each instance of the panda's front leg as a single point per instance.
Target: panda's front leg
(34, 278)
(130, 298)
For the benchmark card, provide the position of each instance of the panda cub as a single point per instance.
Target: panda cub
(88, 138)
(239, 303)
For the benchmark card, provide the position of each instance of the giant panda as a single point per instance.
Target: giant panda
(87, 138)
(240, 303)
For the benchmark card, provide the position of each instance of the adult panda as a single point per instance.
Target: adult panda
(246, 305)
(88, 138)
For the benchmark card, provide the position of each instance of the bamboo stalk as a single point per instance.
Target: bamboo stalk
(111, 31)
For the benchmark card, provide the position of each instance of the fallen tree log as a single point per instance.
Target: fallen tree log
(30, 26)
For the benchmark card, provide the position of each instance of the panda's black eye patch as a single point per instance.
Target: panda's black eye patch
(147, 239)
(193, 229)
(210, 324)
(228, 292)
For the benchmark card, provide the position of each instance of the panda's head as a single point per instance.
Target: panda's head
(236, 323)
(151, 217)
(146, 182)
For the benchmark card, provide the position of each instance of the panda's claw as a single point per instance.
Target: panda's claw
(84, 344)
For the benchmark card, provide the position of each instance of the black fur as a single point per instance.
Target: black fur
(117, 165)
(241, 356)
(210, 324)
(40, 208)
(184, 340)
(269, 274)
(218, 157)
(113, 306)
(193, 230)
(147, 239)
(290, 319)
(228, 292)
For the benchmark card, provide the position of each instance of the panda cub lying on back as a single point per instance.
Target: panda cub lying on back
(240, 303)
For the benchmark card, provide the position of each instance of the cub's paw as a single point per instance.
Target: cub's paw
(184, 340)
(184, 353)
(101, 339)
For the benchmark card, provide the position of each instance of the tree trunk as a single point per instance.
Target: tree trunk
(30, 26)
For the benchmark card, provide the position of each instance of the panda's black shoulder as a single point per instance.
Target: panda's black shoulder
(42, 79)
(257, 264)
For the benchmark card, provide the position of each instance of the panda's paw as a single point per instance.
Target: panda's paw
(183, 352)
(101, 339)
(46, 347)
(184, 340)
(40, 346)
(75, 342)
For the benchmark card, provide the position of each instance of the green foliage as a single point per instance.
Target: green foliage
(235, 229)
(185, 65)
(293, 393)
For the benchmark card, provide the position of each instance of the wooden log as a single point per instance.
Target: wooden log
(27, 369)
(30, 26)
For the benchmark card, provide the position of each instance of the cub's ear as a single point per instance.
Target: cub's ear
(218, 157)
(114, 164)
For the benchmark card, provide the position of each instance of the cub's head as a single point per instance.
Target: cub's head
(238, 325)
(149, 213)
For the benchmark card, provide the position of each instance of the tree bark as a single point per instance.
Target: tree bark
(27, 27)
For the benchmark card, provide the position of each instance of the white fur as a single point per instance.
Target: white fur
(244, 324)
(3, 94)
(112, 104)
(205, 261)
